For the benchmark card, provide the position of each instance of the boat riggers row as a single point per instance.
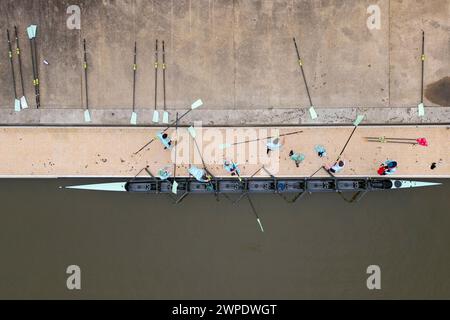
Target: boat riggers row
(255, 185)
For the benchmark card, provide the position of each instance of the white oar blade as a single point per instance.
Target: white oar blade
(192, 132)
(17, 105)
(197, 104)
(133, 119)
(34, 28)
(23, 102)
(155, 116)
(260, 225)
(358, 120)
(224, 146)
(30, 32)
(421, 110)
(174, 187)
(165, 119)
(87, 116)
(312, 113)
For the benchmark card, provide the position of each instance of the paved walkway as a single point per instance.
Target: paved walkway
(108, 152)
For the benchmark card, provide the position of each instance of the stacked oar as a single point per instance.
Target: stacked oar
(412, 141)
(155, 118)
(87, 115)
(133, 119)
(10, 54)
(31, 31)
(23, 100)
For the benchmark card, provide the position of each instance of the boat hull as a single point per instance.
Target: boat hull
(256, 185)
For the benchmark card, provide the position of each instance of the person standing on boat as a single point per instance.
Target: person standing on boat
(296, 157)
(273, 144)
(387, 167)
(199, 174)
(165, 140)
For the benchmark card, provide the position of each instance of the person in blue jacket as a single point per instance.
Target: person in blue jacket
(165, 140)
(199, 174)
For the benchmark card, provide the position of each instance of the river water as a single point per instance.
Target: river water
(142, 246)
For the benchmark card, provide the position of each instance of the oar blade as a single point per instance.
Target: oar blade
(192, 132)
(420, 109)
(155, 116)
(224, 146)
(260, 224)
(87, 116)
(174, 187)
(133, 119)
(30, 32)
(358, 120)
(23, 103)
(197, 104)
(312, 113)
(165, 118)
(17, 105)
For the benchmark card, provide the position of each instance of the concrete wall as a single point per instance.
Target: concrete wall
(233, 54)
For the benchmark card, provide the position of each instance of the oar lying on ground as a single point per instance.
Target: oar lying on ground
(228, 145)
(420, 141)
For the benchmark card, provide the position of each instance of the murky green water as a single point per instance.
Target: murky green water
(142, 246)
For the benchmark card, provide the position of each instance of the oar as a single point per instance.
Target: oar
(385, 138)
(405, 142)
(420, 106)
(87, 115)
(10, 53)
(175, 184)
(421, 141)
(23, 100)
(356, 123)
(165, 113)
(133, 119)
(228, 145)
(255, 213)
(31, 31)
(194, 106)
(155, 112)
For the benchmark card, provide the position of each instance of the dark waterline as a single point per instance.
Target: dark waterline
(142, 246)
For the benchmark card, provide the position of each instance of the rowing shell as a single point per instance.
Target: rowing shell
(313, 185)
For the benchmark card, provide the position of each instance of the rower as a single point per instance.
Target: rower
(199, 174)
(165, 140)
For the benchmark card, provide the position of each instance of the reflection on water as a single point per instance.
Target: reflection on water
(142, 246)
